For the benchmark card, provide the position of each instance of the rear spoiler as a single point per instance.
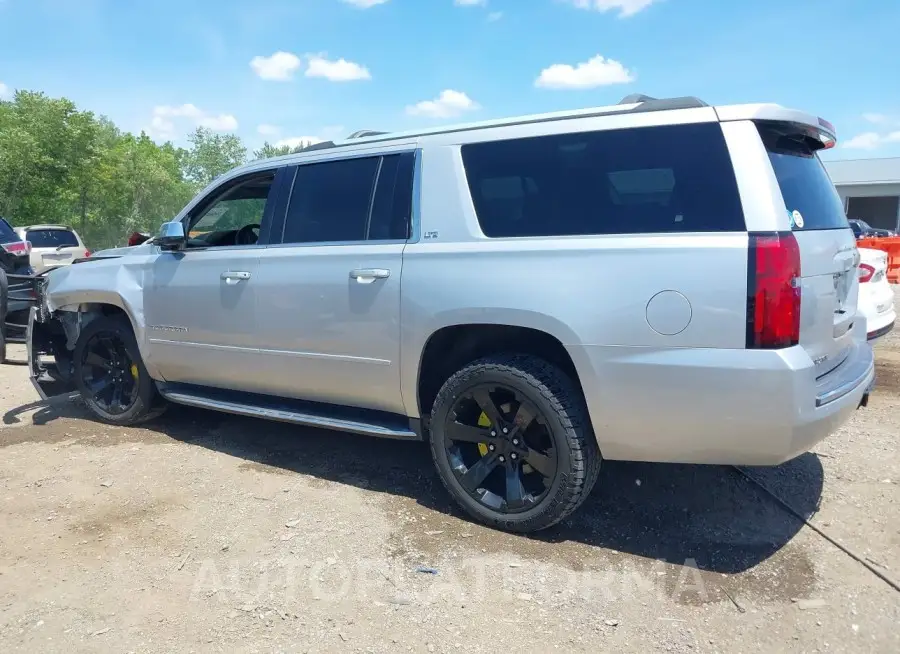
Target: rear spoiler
(819, 128)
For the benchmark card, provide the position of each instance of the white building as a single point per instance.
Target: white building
(870, 189)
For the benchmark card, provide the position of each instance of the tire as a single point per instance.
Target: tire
(562, 424)
(146, 403)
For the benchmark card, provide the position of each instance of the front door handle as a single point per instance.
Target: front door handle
(232, 277)
(369, 275)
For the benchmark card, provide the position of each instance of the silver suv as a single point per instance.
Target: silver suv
(659, 280)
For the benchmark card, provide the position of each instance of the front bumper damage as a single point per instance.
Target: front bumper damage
(47, 340)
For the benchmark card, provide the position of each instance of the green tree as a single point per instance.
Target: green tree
(268, 150)
(211, 155)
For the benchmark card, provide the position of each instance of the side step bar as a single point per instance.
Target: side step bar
(298, 412)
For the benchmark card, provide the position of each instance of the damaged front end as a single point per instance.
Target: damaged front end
(50, 340)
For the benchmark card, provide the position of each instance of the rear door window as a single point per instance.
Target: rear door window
(663, 179)
(330, 201)
(351, 200)
(51, 238)
(811, 200)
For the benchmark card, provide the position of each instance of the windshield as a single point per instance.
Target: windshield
(809, 195)
(52, 238)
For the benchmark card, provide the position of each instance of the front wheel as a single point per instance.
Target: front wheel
(512, 442)
(111, 376)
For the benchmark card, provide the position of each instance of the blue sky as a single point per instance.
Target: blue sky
(288, 69)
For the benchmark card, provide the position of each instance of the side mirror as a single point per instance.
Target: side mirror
(171, 236)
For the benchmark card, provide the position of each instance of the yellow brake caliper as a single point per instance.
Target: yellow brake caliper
(483, 421)
(134, 371)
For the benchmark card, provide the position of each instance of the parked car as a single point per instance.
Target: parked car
(53, 245)
(13, 261)
(861, 229)
(876, 297)
(659, 280)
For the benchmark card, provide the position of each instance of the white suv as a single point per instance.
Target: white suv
(52, 245)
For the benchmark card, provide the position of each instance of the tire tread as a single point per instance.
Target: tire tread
(569, 411)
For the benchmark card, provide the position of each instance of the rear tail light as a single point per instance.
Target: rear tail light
(866, 272)
(87, 253)
(18, 247)
(773, 291)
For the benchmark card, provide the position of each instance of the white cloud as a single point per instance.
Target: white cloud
(864, 141)
(364, 4)
(625, 8)
(592, 73)
(494, 16)
(5, 91)
(336, 71)
(448, 104)
(871, 140)
(469, 3)
(165, 118)
(268, 130)
(294, 141)
(877, 119)
(279, 67)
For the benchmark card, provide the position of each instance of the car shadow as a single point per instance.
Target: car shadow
(45, 411)
(677, 513)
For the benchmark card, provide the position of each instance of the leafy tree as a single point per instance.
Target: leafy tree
(62, 165)
(211, 155)
(268, 150)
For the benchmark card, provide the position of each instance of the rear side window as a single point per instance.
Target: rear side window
(359, 199)
(646, 180)
(392, 204)
(330, 201)
(809, 195)
(51, 238)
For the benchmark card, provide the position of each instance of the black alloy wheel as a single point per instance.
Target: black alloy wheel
(512, 442)
(108, 373)
(500, 448)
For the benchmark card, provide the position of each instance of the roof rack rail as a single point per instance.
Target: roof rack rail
(363, 133)
(649, 103)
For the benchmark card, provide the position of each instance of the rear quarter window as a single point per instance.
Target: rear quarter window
(810, 198)
(51, 238)
(635, 181)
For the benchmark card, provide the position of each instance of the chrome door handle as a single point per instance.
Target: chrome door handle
(369, 275)
(234, 276)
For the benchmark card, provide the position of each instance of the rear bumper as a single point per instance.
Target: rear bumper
(881, 331)
(741, 407)
(876, 303)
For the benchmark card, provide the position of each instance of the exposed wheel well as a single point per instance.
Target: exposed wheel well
(451, 348)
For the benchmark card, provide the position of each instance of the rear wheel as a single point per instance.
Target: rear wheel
(512, 442)
(111, 376)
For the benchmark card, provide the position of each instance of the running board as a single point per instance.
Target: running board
(297, 412)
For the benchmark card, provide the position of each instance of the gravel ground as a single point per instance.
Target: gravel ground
(208, 533)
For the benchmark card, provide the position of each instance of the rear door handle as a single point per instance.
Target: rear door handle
(232, 277)
(369, 275)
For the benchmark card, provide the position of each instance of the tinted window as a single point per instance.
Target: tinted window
(330, 201)
(233, 217)
(392, 205)
(646, 180)
(7, 233)
(51, 238)
(804, 184)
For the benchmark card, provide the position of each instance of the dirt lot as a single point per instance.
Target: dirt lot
(205, 532)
